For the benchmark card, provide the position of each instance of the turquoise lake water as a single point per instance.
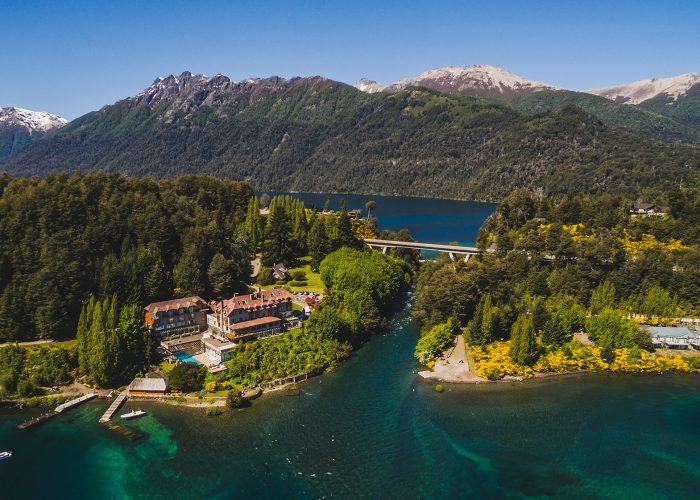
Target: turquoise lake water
(372, 429)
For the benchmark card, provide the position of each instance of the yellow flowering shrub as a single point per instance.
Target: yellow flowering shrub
(655, 321)
(588, 357)
(494, 363)
(555, 361)
(626, 360)
(210, 387)
(649, 241)
(577, 232)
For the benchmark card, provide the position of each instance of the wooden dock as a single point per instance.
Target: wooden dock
(59, 409)
(37, 420)
(114, 407)
(75, 402)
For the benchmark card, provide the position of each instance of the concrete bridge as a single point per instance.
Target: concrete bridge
(451, 250)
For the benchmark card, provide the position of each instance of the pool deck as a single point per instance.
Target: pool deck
(182, 340)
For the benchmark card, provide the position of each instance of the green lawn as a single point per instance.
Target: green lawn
(314, 283)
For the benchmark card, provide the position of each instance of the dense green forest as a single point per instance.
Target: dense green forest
(14, 140)
(643, 119)
(553, 269)
(82, 254)
(319, 135)
(685, 109)
(66, 238)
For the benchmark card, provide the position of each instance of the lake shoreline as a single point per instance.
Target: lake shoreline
(426, 376)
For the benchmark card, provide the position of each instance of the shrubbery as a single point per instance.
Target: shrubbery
(434, 342)
(266, 276)
(235, 399)
(493, 362)
(187, 377)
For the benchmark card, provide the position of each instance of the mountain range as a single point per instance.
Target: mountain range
(473, 133)
(667, 109)
(20, 127)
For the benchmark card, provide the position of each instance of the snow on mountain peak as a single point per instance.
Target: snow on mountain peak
(642, 90)
(369, 86)
(32, 121)
(478, 79)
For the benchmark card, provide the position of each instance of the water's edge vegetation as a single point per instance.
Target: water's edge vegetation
(565, 286)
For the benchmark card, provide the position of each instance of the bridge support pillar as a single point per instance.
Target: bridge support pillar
(384, 250)
(466, 257)
(452, 256)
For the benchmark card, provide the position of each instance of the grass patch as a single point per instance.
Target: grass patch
(313, 282)
(166, 367)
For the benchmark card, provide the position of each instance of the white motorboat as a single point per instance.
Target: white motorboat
(5, 454)
(133, 414)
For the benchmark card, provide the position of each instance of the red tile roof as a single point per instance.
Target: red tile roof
(264, 298)
(255, 322)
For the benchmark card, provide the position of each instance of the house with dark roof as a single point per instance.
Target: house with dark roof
(648, 209)
(280, 272)
(177, 316)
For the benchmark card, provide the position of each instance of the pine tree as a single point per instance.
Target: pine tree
(189, 275)
(299, 227)
(253, 222)
(540, 314)
(481, 330)
(131, 332)
(157, 280)
(346, 235)
(97, 364)
(277, 246)
(603, 296)
(82, 336)
(112, 313)
(221, 275)
(523, 346)
(318, 242)
(557, 329)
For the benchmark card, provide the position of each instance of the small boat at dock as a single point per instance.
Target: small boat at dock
(133, 414)
(5, 454)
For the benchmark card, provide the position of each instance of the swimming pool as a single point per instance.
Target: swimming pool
(186, 358)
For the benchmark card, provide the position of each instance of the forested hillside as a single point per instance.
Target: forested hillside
(65, 238)
(644, 119)
(316, 134)
(581, 266)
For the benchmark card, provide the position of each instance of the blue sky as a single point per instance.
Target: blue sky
(73, 56)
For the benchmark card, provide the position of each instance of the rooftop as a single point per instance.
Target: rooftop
(148, 384)
(672, 331)
(218, 345)
(263, 298)
(175, 304)
(256, 322)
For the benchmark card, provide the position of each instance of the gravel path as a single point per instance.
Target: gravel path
(453, 369)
